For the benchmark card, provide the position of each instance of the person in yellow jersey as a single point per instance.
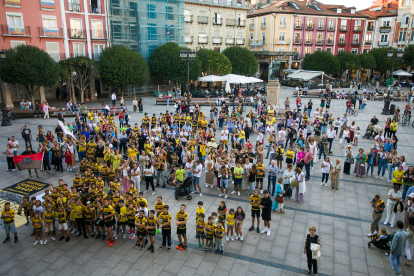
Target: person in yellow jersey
(82, 148)
(49, 219)
(121, 215)
(219, 232)
(89, 214)
(140, 221)
(63, 225)
(37, 227)
(151, 226)
(242, 134)
(200, 225)
(230, 224)
(255, 200)
(8, 220)
(209, 230)
(107, 215)
(153, 120)
(181, 222)
(164, 221)
(260, 172)
(146, 120)
(159, 205)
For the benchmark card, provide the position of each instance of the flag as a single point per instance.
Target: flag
(66, 130)
(30, 161)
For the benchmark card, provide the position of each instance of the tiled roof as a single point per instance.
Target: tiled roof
(385, 10)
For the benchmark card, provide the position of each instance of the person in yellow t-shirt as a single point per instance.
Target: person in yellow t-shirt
(121, 218)
(230, 224)
(164, 220)
(8, 220)
(181, 223)
(141, 230)
(37, 227)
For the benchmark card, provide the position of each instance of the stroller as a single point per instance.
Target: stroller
(171, 176)
(184, 189)
(382, 244)
(370, 132)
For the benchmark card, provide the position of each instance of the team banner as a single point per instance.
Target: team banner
(30, 161)
(66, 130)
(27, 187)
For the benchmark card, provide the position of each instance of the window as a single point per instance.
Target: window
(407, 2)
(340, 50)
(282, 22)
(251, 36)
(264, 21)
(74, 6)
(319, 38)
(229, 2)
(331, 24)
(330, 36)
(47, 4)
(230, 33)
(307, 50)
(202, 29)
(78, 49)
(402, 36)
(17, 43)
(310, 23)
(297, 37)
(15, 20)
(296, 50)
(354, 51)
(308, 37)
(368, 37)
(187, 16)
(370, 26)
(151, 11)
(341, 38)
(386, 23)
(357, 26)
(264, 37)
(76, 28)
(329, 50)
(217, 18)
(169, 13)
(97, 31)
(320, 24)
(216, 32)
(318, 49)
(356, 38)
(97, 50)
(281, 49)
(251, 24)
(49, 22)
(384, 38)
(298, 22)
(52, 48)
(282, 37)
(405, 19)
(343, 23)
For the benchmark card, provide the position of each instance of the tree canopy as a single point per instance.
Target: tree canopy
(119, 67)
(322, 61)
(408, 57)
(165, 63)
(349, 61)
(31, 67)
(213, 62)
(243, 62)
(381, 60)
(367, 61)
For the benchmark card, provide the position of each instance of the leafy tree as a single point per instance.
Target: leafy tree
(381, 60)
(80, 69)
(120, 66)
(30, 66)
(349, 61)
(367, 61)
(165, 63)
(213, 62)
(243, 62)
(322, 61)
(408, 57)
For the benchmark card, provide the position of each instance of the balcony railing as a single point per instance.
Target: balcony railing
(282, 25)
(74, 7)
(308, 42)
(256, 42)
(385, 29)
(15, 30)
(76, 33)
(230, 40)
(319, 42)
(202, 19)
(403, 26)
(96, 9)
(329, 42)
(188, 18)
(216, 40)
(357, 29)
(188, 39)
(343, 28)
(382, 43)
(251, 27)
(341, 43)
(57, 56)
(241, 23)
(297, 41)
(321, 28)
(12, 3)
(202, 40)
(50, 32)
(411, 42)
(368, 42)
(331, 29)
(217, 21)
(263, 26)
(401, 42)
(356, 43)
(309, 27)
(99, 34)
(370, 28)
(230, 22)
(298, 26)
(240, 41)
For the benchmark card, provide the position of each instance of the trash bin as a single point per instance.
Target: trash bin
(392, 109)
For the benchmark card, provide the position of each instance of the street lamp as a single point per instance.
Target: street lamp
(390, 56)
(296, 58)
(188, 56)
(5, 120)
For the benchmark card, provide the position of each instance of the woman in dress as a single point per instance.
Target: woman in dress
(349, 159)
(301, 185)
(311, 238)
(352, 129)
(336, 174)
(359, 169)
(288, 175)
(116, 158)
(325, 168)
(279, 156)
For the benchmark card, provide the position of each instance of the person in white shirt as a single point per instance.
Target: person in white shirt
(269, 129)
(136, 177)
(331, 134)
(345, 137)
(282, 131)
(15, 144)
(113, 98)
(326, 168)
(197, 175)
(276, 108)
(210, 168)
(225, 135)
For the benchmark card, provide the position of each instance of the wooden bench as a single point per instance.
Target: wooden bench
(201, 102)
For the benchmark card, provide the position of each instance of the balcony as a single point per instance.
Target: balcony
(403, 26)
(202, 40)
(356, 43)
(357, 29)
(240, 41)
(188, 18)
(96, 9)
(98, 34)
(256, 42)
(331, 29)
(401, 42)
(308, 42)
(16, 30)
(370, 27)
(50, 32)
(188, 39)
(341, 43)
(12, 3)
(251, 27)
(309, 27)
(382, 43)
(230, 22)
(241, 23)
(263, 26)
(329, 42)
(230, 40)
(202, 19)
(216, 21)
(368, 42)
(385, 29)
(411, 42)
(282, 25)
(319, 42)
(74, 7)
(57, 56)
(321, 28)
(216, 40)
(297, 41)
(298, 27)
(76, 34)
(343, 28)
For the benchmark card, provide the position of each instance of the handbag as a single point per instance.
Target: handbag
(294, 183)
(316, 252)
(279, 198)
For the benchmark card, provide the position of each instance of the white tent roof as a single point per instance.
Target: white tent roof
(306, 75)
(253, 79)
(401, 73)
(211, 78)
(233, 78)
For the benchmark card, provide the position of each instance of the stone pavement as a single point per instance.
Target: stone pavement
(342, 219)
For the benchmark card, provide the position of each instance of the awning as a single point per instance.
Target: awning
(307, 75)
(211, 78)
(401, 73)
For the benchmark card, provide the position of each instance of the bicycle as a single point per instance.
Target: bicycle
(404, 121)
(352, 112)
(397, 118)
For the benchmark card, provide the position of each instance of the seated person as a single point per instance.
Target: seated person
(383, 235)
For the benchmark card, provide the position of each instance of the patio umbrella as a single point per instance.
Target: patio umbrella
(211, 78)
(402, 73)
(227, 88)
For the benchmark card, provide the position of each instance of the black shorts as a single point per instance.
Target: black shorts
(121, 222)
(109, 224)
(100, 223)
(266, 216)
(151, 234)
(182, 232)
(259, 180)
(37, 230)
(88, 222)
(141, 233)
(256, 213)
(131, 224)
(209, 237)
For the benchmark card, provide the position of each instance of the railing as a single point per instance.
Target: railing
(57, 56)
(319, 42)
(99, 34)
(308, 42)
(230, 22)
(188, 39)
(15, 30)
(202, 40)
(297, 41)
(298, 26)
(343, 28)
(357, 29)
(230, 40)
(341, 43)
(329, 42)
(202, 19)
(331, 29)
(216, 21)
(74, 7)
(282, 25)
(96, 9)
(411, 42)
(216, 40)
(321, 28)
(251, 27)
(401, 42)
(50, 32)
(403, 26)
(241, 23)
(240, 41)
(356, 43)
(256, 42)
(263, 26)
(73, 55)
(309, 27)
(382, 43)
(12, 3)
(188, 18)
(385, 29)
(368, 42)
(76, 33)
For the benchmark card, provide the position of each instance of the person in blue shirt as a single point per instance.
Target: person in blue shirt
(388, 145)
(230, 126)
(372, 157)
(174, 126)
(86, 133)
(187, 127)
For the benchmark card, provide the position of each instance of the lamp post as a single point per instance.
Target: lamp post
(390, 56)
(188, 56)
(5, 121)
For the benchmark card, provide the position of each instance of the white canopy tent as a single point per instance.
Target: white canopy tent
(307, 75)
(401, 73)
(211, 78)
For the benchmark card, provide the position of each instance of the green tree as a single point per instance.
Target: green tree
(31, 67)
(243, 62)
(381, 60)
(120, 66)
(322, 61)
(349, 61)
(165, 63)
(367, 62)
(213, 62)
(408, 57)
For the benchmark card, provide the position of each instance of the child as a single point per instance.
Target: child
(356, 136)
(131, 211)
(141, 233)
(209, 234)
(199, 209)
(222, 211)
(63, 226)
(68, 159)
(159, 205)
(121, 215)
(25, 207)
(151, 222)
(239, 219)
(255, 200)
(266, 206)
(107, 215)
(181, 221)
(200, 224)
(49, 218)
(230, 224)
(88, 213)
(219, 232)
(37, 227)
(78, 209)
(383, 235)
(165, 223)
(8, 220)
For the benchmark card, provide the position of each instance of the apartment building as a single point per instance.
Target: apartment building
(214, 24)
(404, 24)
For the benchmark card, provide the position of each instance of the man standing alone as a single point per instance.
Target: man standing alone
(397, 247)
